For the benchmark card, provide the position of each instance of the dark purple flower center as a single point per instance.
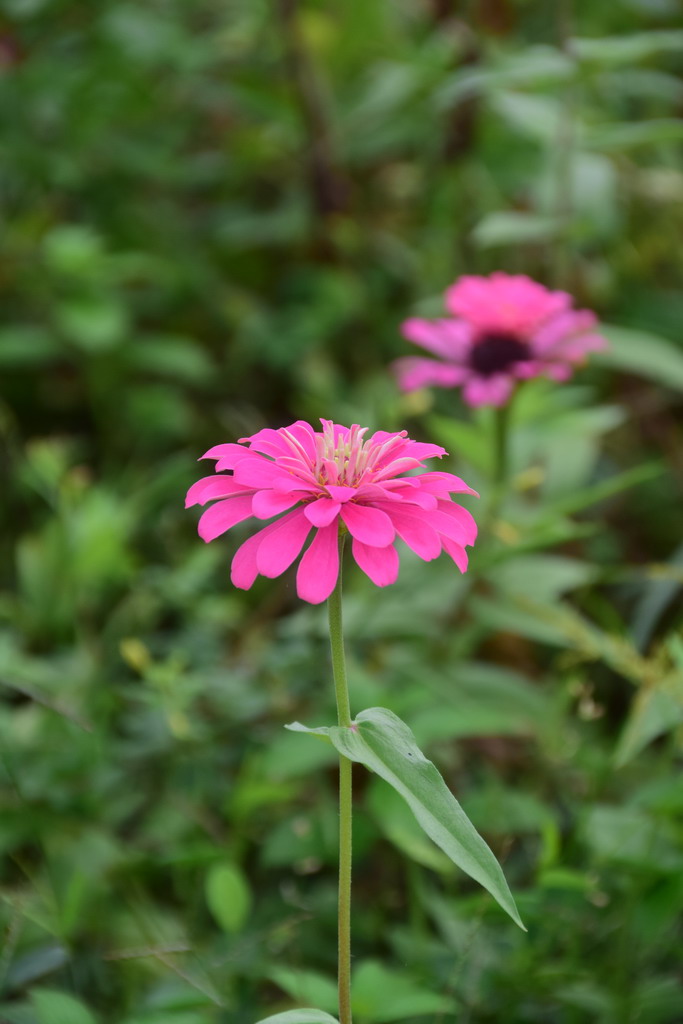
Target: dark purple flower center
(496, 353)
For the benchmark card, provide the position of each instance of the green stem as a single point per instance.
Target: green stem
(501, 459)
(334, 607)
(501, 452)
(565, 151)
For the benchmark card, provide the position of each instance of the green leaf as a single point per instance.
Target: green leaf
(612, 50)
(543, 577)
(660, 999)
(17, 1013)
(287, 757)
(380, 996)
(629, 835)
(501, 812)
(560, 624)
(73, 250)
(656, 597)
(653, 712)
(512, 228)
(466, 440)
(303, 1016)
(619, 137)
(170, 356)
(54, 1007)
(537, 66)
(643, 353)
(396, 822)
(300, 838)
(25, 346)
(615, 484)
(36, 963)
(568, 447)
(228, 896)
(93, 323)
(537, 117)
(385, 744)
(166, 1017)
(306, 986)
(513, 615)
(485, 700)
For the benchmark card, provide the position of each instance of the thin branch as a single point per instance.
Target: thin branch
(39, 698)
(329, 188)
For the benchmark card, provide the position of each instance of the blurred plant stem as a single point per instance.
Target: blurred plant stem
(334, 607)
(500, 462)
(327, 184)
(501, 441)
(562, 257)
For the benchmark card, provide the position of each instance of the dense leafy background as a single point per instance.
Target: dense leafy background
(217, 212)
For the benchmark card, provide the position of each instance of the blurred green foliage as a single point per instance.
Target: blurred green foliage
(216, 214)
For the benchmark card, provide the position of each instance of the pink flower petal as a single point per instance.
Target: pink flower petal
(368, 525)
(330, 470)
(488, 390)
(504, 302)
(319, 568)
(457, 553)
(279, 549)
(257, 471)
(315, 478)
(413, 496)
(341, 494)
(304, 434)
(527, 369)
(271, 503)
(301, 474)
(423, 450)
(224, 514)
(576, 349)
(380, 564)
(460, 528)
(558, 371)
(396, 468)
(244, 569)
(227, 454)
(449, 339)
(462, 517)
(438, 482)
(511, 305)
(211, 487)
(322, 512)
(414, 372)
(417, 534)
(268, 442)
(570, 323)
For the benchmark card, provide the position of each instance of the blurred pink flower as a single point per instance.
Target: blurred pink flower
(502, 329)
(331, 479)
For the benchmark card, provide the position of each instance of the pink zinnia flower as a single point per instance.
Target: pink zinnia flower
(503, 329)
(331, 479)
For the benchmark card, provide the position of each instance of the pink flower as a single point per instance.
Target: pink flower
(327, 481)
(502, 329)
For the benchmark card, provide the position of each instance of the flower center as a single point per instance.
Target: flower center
(495, 353)
(341, 459)
(345, 458)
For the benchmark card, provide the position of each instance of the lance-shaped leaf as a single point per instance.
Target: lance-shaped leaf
(655, 710)
(304, 1016)
(382, 742)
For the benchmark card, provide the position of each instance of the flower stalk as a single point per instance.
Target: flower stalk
(501, 456)
(334, 607)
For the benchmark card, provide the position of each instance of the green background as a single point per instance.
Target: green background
(215, 217)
